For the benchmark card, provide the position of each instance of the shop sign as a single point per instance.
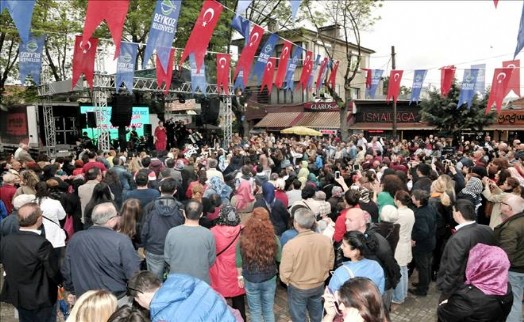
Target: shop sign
(511, 117)
(329, 132)
(387, 117)
(320, 106)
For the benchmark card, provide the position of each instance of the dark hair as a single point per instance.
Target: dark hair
(357, 240)
(466, 208)
(424, 169)
(297, 184)
(42, 190)
(193, 210)
(168, 186)
(352, 197)
(170, 163)
(127, 313)
(361, 293)
(92, 173)
(30, 219)
(308, 192)
(143, 281)
(391, 184)
(116, 161)
(403, 197)
(142, 177)
(421, 195)
(91, 154)
(146, 161)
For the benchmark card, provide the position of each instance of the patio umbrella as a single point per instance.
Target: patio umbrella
(301, 130)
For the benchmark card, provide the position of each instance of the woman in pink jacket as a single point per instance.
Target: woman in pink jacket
(223, 273)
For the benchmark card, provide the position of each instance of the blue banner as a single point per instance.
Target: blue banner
(480, 85)
(30, 58)
(520, 37)
(263, 58)
(21, 12)
(291, 67)
(242, 26)
(239, 82)
(242, 6)
(468, 87)
(125, 66)
(376, 76)
(418, 81)
(313, 72)
(295, 4)
(198, 80)
(162, 31)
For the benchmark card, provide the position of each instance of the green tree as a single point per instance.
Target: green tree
(353, 16)
(443, 113)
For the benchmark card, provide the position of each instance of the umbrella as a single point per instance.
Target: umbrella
(301, 130)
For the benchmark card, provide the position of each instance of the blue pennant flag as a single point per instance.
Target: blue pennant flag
(480, 85)
(125, 67)
(291, 67)
(375, 79)
(263, 58)
(520, 37)
(239, 82)
(21, 12)
(295, 4)
(30, 58)
(242, 26)
(242, 6)
(468, 87)
(418, 82)
(198, 80)
(313, 72)
(162, 31)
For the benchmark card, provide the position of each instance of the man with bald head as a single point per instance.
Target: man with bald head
(358, 220)
(510, 237)
(99, 257)
(31, 268)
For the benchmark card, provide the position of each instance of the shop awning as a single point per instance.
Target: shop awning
(504, 127)
(320, 120)
(381, 126)
(279, 120)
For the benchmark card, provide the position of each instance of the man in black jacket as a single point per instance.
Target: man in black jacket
(31, 268)
(452, 270)
(423, 239)
(356, 221)
(160, 215)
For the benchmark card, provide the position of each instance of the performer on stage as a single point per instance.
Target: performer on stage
(160, 137)
(133, 138)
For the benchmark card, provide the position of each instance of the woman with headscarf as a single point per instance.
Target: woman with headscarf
(304, 171)
(486, 295)
(243, 198)
(312, 180)
(257, 255)
(496, 194)
(277, 211)
(472, 192)
(223, 273)
(216, 185)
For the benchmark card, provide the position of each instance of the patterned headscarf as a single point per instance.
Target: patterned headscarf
(473, 187)
(487, 269)
(219, 187)
(228, 216)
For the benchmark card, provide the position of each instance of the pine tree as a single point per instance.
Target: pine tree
(443, 113)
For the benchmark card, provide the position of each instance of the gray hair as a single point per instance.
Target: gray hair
(103, 212)
(305, 218)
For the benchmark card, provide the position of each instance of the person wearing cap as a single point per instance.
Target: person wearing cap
(10, 224)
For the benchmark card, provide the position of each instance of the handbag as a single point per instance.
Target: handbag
(68, 227)
(231, 243)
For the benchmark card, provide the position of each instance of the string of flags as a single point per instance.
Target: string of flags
(162, 32)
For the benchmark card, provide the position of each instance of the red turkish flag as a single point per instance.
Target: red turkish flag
(113, 12)
(306, 69)
(447, 73)
(84, 60)
(394, 84)
(333, 75)
(248, 52)
(269, 72)
(282, 64)
(368, 77)
(321, 71)
(202, 32)
(223, 61)
(165, 76)
(496, 2)
(514, 82)
(501, 79)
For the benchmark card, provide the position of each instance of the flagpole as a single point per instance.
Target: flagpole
(393, 67)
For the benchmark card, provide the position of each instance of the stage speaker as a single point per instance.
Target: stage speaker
(148, 130)
(91, 119)
(122, 110)
(210, 110)
(82, 121)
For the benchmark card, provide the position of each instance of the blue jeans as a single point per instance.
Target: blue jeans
(302, 302)
(517, 286)
(401, 291)
(261, 298)
(156, 264)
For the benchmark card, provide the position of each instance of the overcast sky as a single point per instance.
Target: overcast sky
(432, 34)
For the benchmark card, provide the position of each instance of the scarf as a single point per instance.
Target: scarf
(244, 196)
(487, 269)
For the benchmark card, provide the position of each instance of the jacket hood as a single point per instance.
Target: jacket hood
(227, 232)
(166, 206)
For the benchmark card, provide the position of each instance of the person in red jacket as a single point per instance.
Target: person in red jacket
(223, 273)
(8, 190)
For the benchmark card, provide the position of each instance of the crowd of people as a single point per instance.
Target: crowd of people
(201, 233)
